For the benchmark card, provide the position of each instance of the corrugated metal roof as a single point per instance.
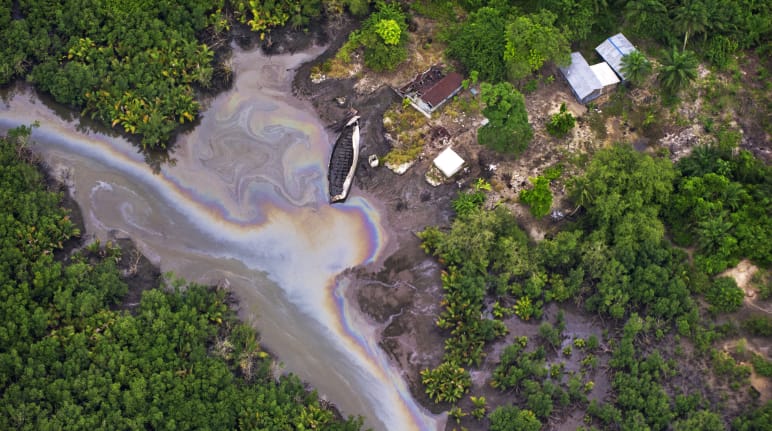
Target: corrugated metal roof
(605, 75)
(581, 77)
(442, 89)
(613, 49)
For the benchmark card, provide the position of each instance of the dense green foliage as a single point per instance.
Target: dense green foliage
(561, 123)
(617, 262)
(70, 361)
(262, 16)
(500, 42)
(383, 37)
(508, 129)
(723, 295)
(132, 64)
(478, 43)
(636, 67)
(758, 325)
(721, 206)
(745, 23)
(531, 41)
(755, 420)
(624, 255)
(448, 382)
(510, 418)
(678, 69)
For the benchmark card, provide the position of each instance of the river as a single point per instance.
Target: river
(245, 204)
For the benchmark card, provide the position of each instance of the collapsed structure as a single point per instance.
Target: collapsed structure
(431, 89)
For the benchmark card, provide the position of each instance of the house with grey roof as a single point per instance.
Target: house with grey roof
(588, 82)
(613, 49)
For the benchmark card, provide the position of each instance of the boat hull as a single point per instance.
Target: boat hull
(343, 161)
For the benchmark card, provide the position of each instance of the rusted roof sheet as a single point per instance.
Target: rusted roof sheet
(443, 88)
(423, 81)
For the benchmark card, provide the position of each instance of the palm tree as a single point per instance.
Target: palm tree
(692, 18)
(646, 14)
(714, 233)
(678, 69)
(636, 67)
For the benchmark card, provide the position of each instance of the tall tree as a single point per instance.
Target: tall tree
(678, 70)
(646, 16)
(691, 18)
(531, 41)
(508, 129)
(478, 43)
(636, 67)
(384, 37)
(577, 15)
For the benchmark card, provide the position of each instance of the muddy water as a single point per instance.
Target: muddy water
(245, 205)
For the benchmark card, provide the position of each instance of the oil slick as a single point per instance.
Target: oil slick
(246, 202)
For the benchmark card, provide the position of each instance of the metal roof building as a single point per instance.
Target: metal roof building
(605, 74)
(588, 82)
(584, 83)
(613, 49)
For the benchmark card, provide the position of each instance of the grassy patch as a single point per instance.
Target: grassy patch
(462, 104)
(597, 122)
(406, 125)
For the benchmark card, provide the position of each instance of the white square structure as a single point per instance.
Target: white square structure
(605, 74)
(449, 162)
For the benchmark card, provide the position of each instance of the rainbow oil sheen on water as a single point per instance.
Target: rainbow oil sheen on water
(244, 203)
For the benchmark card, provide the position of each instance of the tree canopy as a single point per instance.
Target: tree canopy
(132, 64)
(636, 67)
(508, 129)
(531, 41)
(383, 37)
(478, 43)
(69, 359)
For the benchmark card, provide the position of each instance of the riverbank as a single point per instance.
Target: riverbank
(401, 294)
(135, 269)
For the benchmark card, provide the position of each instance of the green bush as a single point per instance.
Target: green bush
(758, 325)
(448, 382)
(724, 296)
(383, 36)
(561, 123)
(539, 198)
(508, 129)
(511, 418)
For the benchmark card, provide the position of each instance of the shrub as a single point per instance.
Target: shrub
(758, 325)
(724, 296)
(448, 382)
(511, 418)
(539, 198)
(561, 123)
